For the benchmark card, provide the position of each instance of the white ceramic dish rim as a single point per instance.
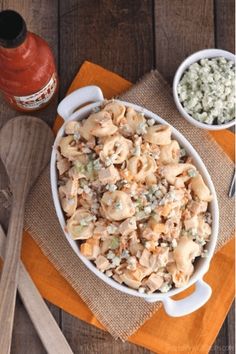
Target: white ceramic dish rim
(193, 58)
(202, 291)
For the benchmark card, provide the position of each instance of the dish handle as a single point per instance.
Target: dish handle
(178, 308)
(78, 98)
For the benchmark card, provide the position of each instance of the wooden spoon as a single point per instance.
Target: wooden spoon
(25, 147)
(50, 334)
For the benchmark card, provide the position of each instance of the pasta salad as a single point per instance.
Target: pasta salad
(132, 198)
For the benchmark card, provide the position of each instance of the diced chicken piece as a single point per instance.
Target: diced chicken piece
(102, 263)
(129, 280)
(149, 234)
(191, 223)
(117, 278)
(127, 226)
(96, 252)
(120, 269)
(105, 245)
(166, 209)
(198, 207)
(134, 236)
(163, 257)
(108, 175)
(101, 230)
(141, 272)
(154, 263)
(144, 259)
(72, 127)
(154, 282)
(138, 274)
(135, 247)
(63, 165)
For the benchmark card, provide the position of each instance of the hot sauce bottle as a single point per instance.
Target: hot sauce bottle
(28, 77)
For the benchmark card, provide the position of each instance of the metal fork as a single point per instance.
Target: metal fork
(232, 186)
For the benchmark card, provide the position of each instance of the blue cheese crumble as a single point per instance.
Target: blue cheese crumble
(207, 90)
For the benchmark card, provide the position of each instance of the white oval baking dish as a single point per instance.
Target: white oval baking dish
(68, 110)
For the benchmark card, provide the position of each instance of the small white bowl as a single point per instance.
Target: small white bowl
(206, 53)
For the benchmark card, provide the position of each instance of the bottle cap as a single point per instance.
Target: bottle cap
(12, 29)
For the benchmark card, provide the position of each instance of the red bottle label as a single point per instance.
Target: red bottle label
(37, 99)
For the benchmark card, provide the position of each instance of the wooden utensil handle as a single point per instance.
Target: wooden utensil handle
(9, 278)
(50, 334)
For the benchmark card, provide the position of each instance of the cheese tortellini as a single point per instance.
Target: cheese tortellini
(200, 189)
(78, 230)
(133, 198)
(177, 174)
(185, 252)
(98, 124)
(116, 148)
(117, 111)
(68, 148)
(180, 278)
(134, 119)
(170, 153)
(117, 205)
(141, 167)
(158, 134)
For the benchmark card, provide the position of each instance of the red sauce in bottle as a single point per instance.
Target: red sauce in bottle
(28, 77)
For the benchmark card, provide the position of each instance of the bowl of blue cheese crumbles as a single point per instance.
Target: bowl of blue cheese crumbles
(204, 89)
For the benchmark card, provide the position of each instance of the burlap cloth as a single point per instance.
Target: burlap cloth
(122, 314)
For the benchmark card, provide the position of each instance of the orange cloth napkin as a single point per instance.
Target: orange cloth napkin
(161, 333)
